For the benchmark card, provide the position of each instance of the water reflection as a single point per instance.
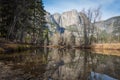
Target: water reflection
(59, 64)
(78, 65)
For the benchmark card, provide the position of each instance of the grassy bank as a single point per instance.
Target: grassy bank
(104, 46)
(107, 46)
(107, 52)
(12, 47)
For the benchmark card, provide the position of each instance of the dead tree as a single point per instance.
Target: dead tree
(93, 15)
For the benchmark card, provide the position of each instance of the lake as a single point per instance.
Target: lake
(60, 64)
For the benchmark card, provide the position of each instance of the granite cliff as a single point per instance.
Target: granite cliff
(65, 19)
(110, 25)
(71, 23)
(73, 17)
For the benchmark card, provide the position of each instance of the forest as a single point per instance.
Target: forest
(22, 21)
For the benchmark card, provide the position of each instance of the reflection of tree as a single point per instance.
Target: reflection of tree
(76, 64)
(64, 64)
(88, 65)
(71, 65)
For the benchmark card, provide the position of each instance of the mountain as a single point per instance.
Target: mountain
(65, 20)
(71, 24)
(68, 24)
(74, 18)
(110, 25)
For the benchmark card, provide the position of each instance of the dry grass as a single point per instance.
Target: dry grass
(1, 50)
(107, 48)
(107, 52)
(14, 46)
(111, 46)
(8, 47)
(54, 46)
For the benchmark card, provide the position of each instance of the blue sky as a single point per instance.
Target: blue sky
(109, 8)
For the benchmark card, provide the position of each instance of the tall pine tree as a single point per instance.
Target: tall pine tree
(21, 17)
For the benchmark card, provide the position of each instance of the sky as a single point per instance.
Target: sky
(109, 8)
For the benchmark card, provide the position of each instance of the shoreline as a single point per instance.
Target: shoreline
(105, 46)
(12, 47)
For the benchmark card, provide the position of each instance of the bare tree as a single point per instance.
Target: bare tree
(85, 31)
(93, 15)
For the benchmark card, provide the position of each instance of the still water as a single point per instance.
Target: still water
(59, 64)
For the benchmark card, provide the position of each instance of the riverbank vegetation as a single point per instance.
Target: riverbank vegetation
(8, 46)
(22, 21)
(22, 24)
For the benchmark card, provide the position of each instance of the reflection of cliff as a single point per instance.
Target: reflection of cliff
(58, 64)
(77, 65)
(69, 65)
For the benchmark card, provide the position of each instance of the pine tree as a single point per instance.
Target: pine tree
(21, 17)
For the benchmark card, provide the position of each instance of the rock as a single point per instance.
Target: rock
(73, 22)
(65, 19)
(56, 18)
(69, 18)
(62, 23)
(109, 25)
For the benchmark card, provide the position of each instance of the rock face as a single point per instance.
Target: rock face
(65, 19)
(110, 24)
(74, 18)
(64, 23)
(57, 18)
(70, 18)
(72, 22)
